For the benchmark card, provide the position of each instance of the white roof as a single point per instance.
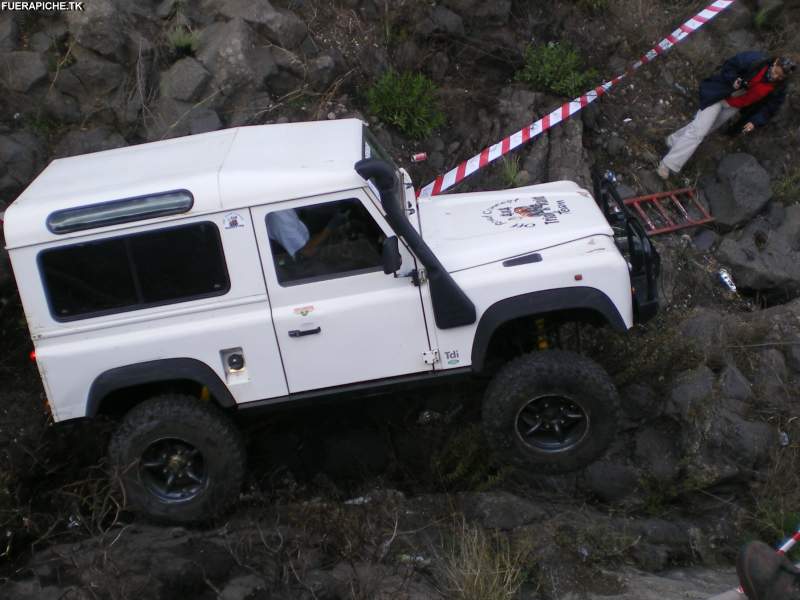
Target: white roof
(223, 170)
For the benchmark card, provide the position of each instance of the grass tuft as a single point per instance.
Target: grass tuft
(477, 566)
(406, 101)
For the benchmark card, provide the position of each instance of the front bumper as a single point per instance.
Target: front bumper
(631, 238)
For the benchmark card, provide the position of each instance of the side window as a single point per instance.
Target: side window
(324, 241)
(136, 271)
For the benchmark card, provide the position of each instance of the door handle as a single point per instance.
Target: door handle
(302, 332)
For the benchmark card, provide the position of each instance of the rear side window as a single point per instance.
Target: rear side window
(134, 271)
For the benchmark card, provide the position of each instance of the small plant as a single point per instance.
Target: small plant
(182, 41)
(510, 171)
(787, 188)
(407, 101)
(476, 566)
(555, 67)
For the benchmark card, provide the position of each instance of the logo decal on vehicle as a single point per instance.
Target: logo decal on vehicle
(523, 213)
(303, 311)
(232, 221)
(452, 357)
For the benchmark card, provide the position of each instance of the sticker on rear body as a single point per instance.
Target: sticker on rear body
(232, 221)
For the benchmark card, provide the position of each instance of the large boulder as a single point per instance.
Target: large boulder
(9, 32)
(170, 118)
(740, 190)
(22, 156)
(102, 28)
(282, 27)
(185, 80)
(83, 142)
(479, 11)
(90, 79)
(21, 71)
(568, 159)
(229, 52)
(764, 257)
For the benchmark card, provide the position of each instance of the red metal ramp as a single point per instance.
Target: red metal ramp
(669, 211)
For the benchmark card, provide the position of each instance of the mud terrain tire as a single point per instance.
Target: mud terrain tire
(551, 411)
(181, 460)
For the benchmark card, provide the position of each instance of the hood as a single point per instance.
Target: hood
(467, 230)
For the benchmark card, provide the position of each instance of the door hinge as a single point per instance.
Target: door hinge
(419, 277)
(430, 357)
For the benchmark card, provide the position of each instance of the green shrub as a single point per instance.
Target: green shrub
(182, 41)
(557, 68)
(407, 101)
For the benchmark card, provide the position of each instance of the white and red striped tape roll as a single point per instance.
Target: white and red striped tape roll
(527, 133)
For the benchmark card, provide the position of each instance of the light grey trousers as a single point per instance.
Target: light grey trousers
(685, 141)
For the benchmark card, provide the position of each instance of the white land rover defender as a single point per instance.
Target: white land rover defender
(175, 283)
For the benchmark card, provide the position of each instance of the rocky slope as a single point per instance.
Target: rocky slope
(709, 439)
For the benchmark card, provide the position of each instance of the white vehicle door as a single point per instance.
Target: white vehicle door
(338, 317)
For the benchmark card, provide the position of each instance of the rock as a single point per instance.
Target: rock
(204, 120)
(439, 65)
(443, 20)
(243, 587)
(83, 142)
(321, 71)
(704, 239)
(516, 106)
(639, 401)
(734, 385)
(765, 258)
(611, 481)
(101, 29)
(407, 56)
(229, 53)
(690, 394)
(703, 331)
(656, 453)
(686, 584)
(171, 118)
(9, 32)
(22, 70)
(771, 380)
(615, 145)
(740, 40)
(22, 156)
(90, 78)
(500, 510)
(568, 159)
(185, 80)
(741, 190)
(280, 26)
(40, 42)
(496, 13)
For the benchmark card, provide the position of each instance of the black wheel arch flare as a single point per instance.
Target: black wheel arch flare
(537, 303)
(157, 371)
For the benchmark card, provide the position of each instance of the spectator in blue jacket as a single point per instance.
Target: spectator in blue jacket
(750, 82)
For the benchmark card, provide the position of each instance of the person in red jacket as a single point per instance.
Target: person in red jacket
(750, 83)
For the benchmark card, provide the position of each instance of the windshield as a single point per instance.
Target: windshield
(373, 149)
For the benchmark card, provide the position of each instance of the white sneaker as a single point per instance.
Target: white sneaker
(663, 171)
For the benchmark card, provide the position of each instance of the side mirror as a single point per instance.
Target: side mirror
(390, 255)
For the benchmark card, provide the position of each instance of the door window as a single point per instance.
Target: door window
(324, 241)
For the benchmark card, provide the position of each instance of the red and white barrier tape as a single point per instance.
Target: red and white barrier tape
(527, 133)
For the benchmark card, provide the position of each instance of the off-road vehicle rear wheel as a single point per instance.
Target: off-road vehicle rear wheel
(180, 459)
(552, 411)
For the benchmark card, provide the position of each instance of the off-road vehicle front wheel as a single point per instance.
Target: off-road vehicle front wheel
(181, 460)
(551, 411)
